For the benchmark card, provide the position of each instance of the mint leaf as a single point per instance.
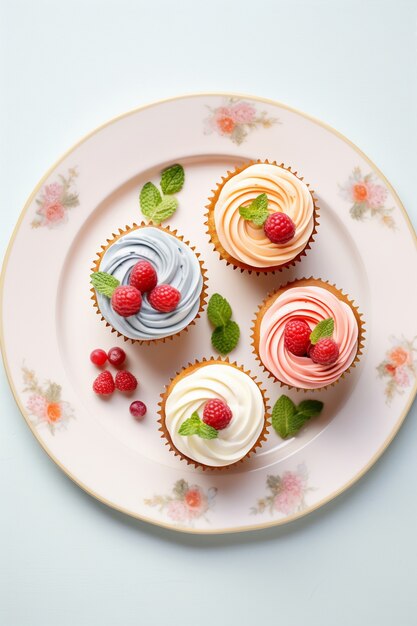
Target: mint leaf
(190, 426)
(310, 408)
(225, 338)
(257, 211)
(172, 179)
(149, 198)
(219, 310)
(194, 426)
(282, 414)
(163, 210)
(325, 328)
(104, 283)
(295, 424)
(207, 432)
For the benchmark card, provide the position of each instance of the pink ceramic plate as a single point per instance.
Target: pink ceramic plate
(93, 190)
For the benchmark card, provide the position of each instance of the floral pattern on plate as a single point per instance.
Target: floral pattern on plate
(236, 118)
(285, 493)
(368, 197)
(399, 367)
(55, 200)
(44, 403)
(186, 502)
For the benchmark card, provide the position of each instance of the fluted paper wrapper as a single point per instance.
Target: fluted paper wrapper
(212, 232)
(189, 369)
(110, 242)
(304, 282)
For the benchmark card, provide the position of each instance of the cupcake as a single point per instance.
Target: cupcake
(308, 334)
(262, 217)
(148, 284)
(213, 414)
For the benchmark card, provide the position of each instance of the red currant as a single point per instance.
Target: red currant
(138, 410)
(98, 357)
(116, 356)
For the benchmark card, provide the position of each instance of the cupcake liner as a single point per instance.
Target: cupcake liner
(211, 228)
(174, 233)
(304, 282)
(191, 367)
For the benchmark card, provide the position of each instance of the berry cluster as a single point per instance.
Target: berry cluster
(126, 300)
(299, 340)
(105, 384)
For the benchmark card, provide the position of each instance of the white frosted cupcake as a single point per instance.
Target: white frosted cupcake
(262, 217)
(213, 414)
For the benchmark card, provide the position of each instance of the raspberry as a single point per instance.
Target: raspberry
(164, 298)
(103, 384)
(138, 410)
(98, 357)
(126, 300)
(297, 337)
(143, 276)
(325, 351)
(125, 381)
(217, 414)
(116, 356)
(279, 228)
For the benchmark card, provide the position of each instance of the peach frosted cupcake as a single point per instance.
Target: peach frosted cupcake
(262, 217)
(213, 414)
(308, 334)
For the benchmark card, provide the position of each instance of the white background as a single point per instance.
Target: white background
(66, 67)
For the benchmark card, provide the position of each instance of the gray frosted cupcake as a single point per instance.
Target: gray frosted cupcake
(176, 264)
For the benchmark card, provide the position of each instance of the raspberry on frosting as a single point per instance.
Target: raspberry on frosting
(217, 414)
(164, 298)
(126, 300)
(279, 228)
(324, 352)
(297, 337)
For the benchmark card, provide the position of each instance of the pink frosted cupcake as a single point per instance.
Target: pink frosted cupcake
(283, 340)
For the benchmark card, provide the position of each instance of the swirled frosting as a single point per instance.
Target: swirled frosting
(312, 304)
(235, 388)
(286, 193)
(175, 264)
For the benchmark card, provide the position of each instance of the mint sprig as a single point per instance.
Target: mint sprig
(325, 328)
(287, 418)
(104, 283)
(159, 207)
(257, 211)
(226, 333)
(195, 426)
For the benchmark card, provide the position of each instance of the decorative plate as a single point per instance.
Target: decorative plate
(47, 336)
